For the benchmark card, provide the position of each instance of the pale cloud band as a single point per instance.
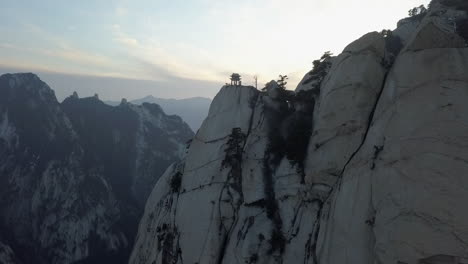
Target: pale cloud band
(200, 40)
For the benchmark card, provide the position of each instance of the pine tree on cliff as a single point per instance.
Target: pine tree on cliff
(282, 81)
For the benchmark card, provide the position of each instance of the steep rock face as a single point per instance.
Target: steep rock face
(365, 163)
(133, 142)
(347, 97)
(253, 196)
(400, 198)
(7, 256)
(74, 176)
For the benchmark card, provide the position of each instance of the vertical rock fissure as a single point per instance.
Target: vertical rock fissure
(253, 106)
(179, 249)
(308, 249)
(233, 160)
(369, 124)
(316, 232)
(178, 253)
(169, 234)
(292, 231)
(229, 231)
(340, 176)
(277, 240)
(273, 156)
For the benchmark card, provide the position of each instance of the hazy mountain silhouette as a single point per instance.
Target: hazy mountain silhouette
(192, 110)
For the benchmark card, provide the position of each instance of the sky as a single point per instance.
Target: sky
(179, 48)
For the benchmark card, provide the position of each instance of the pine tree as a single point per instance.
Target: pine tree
(282, 81)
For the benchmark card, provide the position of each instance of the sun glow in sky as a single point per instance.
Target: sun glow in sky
(172, 41)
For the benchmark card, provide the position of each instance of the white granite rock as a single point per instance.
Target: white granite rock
(347, 97)
(383, 179)
(400, 199)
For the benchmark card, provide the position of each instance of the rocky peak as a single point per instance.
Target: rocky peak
(118, 135)
(29, 107)
(26, 85)
(357, 166)
(75, 175)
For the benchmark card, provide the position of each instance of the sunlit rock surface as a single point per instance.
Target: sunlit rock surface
(366, 163)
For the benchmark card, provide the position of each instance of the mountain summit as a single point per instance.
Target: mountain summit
(74, 177)
(366, 162)
(191, 110)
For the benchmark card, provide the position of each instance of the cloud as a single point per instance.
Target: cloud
(77, 56)
(129, 42)
(62, 55)
(200, 39)
(7, 46)
(160, 62)
(62, 61)
(121, 11)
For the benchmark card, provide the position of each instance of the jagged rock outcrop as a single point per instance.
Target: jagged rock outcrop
(74, 176)
(192, 110)
(134, 142)
(365, 163)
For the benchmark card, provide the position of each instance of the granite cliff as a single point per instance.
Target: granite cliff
(365, 162)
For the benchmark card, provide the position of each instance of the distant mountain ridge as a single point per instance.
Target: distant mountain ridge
(74, 176)
(192, 110)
